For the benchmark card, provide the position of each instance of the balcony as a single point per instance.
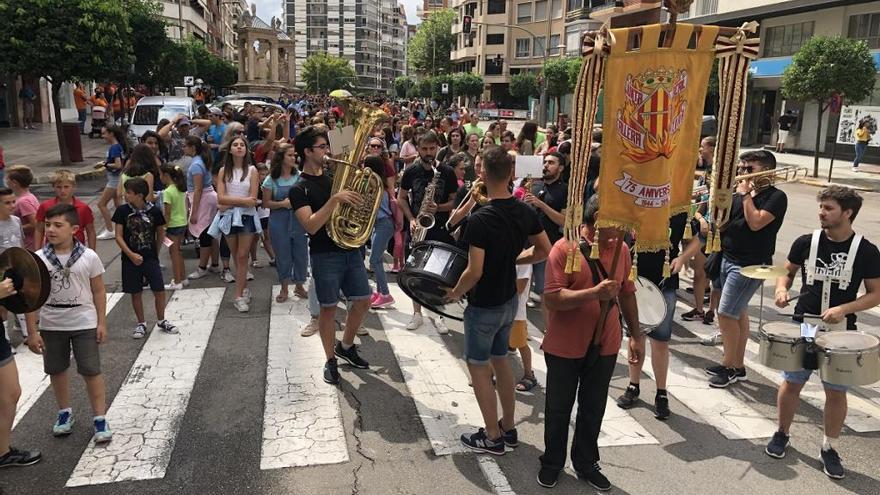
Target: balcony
(462, 54)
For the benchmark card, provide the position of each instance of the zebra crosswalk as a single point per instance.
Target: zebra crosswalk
(303, 420)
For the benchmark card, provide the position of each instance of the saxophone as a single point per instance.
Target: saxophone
(424, 218)
(350, 226)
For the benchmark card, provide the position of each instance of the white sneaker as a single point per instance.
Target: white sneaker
(199, 273)
(106, 235)
(246, 294)
(535, 297)
(855, 169)
(174, 286)
(362, 331)
(185, 282)
(214, 269)
(227, 276)
(241, 305)
(310, 328)
(257, 264)
(415, 322)
(713, 339)
(440, 325)
(250, 276)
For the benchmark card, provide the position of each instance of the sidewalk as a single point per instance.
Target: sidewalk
(38, 149)
(866, 179)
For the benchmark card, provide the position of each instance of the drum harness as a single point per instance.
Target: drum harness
(596, 269)
(843, 280)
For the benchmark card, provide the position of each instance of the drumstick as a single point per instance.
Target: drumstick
(806, 317)
(606, 305)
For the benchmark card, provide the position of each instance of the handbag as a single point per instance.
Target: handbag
(713, 266)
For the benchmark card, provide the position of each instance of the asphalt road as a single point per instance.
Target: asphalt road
(218, 443)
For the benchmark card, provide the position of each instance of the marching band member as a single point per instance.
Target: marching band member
(496, 235)
(749, 238)
(548, 197)
(410, 196)
(576, 367)
(833, 263)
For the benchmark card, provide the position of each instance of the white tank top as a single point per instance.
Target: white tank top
(239, 188)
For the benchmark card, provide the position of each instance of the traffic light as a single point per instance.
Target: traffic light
(466, 24)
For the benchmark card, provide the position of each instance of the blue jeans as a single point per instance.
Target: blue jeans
(81, 117)
(383, 231)
(487, 331)
(736, 290)
(861, 147)
(291, 246)
(538, 277)
(339, 270)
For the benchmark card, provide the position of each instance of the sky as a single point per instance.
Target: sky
(267, 8)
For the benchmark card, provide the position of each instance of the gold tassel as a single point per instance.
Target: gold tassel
(688, 230)
(634, 270)
(709, 238)
(594, 251)
(716, 244)
(667, 270)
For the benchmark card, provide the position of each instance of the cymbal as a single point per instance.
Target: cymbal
(29, 276)
(763, 272)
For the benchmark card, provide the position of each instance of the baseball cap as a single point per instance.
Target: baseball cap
(184, 121)
(216, 111)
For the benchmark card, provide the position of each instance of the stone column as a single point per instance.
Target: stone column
(242, 60)
(252, 60)
(273, 52)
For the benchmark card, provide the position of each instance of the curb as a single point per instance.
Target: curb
(822, 183)
(79, 173)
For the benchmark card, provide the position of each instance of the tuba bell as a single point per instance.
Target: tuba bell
(350, 226)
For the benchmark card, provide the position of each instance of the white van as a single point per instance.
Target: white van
(151, 109)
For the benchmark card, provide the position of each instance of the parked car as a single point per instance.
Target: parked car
(151, 109)
(243, 96)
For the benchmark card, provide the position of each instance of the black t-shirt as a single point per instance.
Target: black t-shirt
(743, 246)
(650, 265)
(786, 121)
(139, 231)
(314, 191)
(831, 256)
(416, 179)
(555, 195)
(501, 228)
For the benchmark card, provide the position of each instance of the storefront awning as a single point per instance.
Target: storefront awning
(774, 67)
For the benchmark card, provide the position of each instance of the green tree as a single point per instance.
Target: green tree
(524, 86)
(468, 84)
(402, 85)
(425, 88)
(827, 67)
(324, 73)
(437, 88)
(560, 76)
(148, 39)
(428, 52)
(63, 40)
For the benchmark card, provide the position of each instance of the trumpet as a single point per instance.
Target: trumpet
(762, 180)
(479, 193)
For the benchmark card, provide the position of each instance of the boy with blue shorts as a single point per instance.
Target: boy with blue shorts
(496, 234)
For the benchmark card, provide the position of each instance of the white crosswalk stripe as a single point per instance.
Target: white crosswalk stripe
(147, 412)
(302, 421)
(30, 371)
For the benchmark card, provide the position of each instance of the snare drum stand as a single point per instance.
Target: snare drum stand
(761, 310)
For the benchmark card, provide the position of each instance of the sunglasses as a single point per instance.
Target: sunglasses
(747, 170)
(375, 146)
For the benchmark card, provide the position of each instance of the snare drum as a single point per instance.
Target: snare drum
(651, 303)
(431, 266)
(849, 358)
(782, 347)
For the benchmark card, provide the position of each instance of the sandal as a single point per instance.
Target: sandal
(281, 297)
(526, 383)
(301, 293)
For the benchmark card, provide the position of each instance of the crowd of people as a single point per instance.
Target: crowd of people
(232, 181)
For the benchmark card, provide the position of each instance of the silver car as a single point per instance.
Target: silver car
(151, 109)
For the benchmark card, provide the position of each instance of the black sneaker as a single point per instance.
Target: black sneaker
(595, 478)
(331, 372)
(548, 477)
(709, 317)
(629, 398)
(740, 374)
(18, 458)
(723, 379)
(661, 407)
(831, 464)
(776, 447)
(350, 356)
(715, 370)
(510, 437)
(693, 315)
(479, 442)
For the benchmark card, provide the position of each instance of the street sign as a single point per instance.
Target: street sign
(188, 81)
(499, 60)
(444, 88)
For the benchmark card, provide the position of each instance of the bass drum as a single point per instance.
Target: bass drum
(849, 358)
(430, 268)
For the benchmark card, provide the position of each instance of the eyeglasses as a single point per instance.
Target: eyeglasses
(747, 169)
(323, 146)
(375, 146)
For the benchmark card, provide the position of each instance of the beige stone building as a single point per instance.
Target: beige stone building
(507, 37)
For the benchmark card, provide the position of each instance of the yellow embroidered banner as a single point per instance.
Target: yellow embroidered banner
(653, 114)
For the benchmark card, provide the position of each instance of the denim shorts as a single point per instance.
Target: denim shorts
(175, 230)
(736, 290)
(803, 376)
(247, 226)
(112, 180)
(340, 270)
(487, 331)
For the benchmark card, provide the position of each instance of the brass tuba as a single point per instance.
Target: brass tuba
(350, 226)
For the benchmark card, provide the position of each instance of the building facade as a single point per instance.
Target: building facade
(506, 38)
(784, 27)
(428, 6)
(210, 21)
(361, 31)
